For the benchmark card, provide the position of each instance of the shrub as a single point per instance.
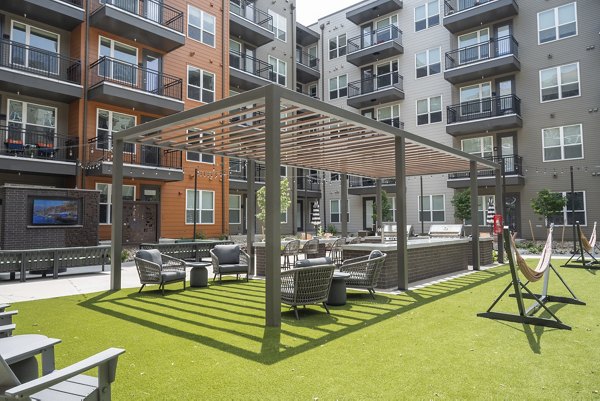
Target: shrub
(331, 229)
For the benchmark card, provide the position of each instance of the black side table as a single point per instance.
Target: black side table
(337, 292)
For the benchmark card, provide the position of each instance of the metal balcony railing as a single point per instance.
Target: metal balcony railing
(485, 108)
(140, 155)
(381, 35)
(251, 65)
(247, 10)
(33, 60)
(126, 74)
(482, 51)
(37, 143)
(513, 165)
(151, 10)
(454, 6)
(375, 83)
(307, 60)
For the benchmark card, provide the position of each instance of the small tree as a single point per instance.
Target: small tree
(386, 208)
(261, 200)
(548, 204)
(462, 204)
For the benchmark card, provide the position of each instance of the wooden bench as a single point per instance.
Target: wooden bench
(190, 251)
(52, 259)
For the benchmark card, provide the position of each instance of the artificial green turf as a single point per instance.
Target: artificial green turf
(428, 344)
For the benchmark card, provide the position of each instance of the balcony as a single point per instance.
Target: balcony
(247, 72)
(372, 10)
(250, 24)
(366, 186)
(66, 14)
(39, 73)
(37, 151)
(139, 161)
(489, 114)
(512, 172)
(306, 36)
(238, 174)
(460, 15)
(379, 89)
(383, 43)
(124, 84)
(307, 68)
(485, 59)
(149, 22)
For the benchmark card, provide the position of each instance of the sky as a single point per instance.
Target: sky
(309, 11)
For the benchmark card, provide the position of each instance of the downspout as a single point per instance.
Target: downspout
(322, 26)
(86, 66)
(293, 42)
(224, 71)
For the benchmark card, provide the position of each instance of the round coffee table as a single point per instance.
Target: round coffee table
(337, 292)
(198, 274)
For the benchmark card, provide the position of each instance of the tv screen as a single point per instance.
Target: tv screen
(50, 212)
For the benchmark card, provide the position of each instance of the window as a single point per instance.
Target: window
(106, 200)
(338, 87)
(389, 115)
(557, 23)
(482, 206)
(30, 124)
(387, 74)
(562, 143)
(201, 26)
(335, 211)
(567, 213)
(109, 122)
(312, 90)
(559, 82)
(335, 177)
(427, 15)
(482, 147)
(205, 207)
(123, 63)
(428, 62)
(279, 26)
(235, 209)
(202, 138)
(429, 110)
(475, 99)
(40, 55)
(433, 208)
(337, 46)
(279, 72)
(201, 85)
(474, 46)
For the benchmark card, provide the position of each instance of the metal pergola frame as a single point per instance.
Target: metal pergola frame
(277, 126)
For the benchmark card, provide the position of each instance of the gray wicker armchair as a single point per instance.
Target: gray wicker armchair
(156, 268)
(306, 286)
(229, 259)
(364, 271)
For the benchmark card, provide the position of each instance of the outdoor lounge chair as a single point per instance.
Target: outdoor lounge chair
(64, 384)
(156, 268)
(229, 259)
(306, 286)
(364, 271)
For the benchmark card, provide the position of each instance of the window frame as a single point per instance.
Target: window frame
(200, 88)
(428, 64)
(200, 209)
(559, 82)
(427, 15)
(480, 139)
(556, 25)
(201, 28)
(567, 209)
(277, 20)
(339, 214)
(393, 108)
(338, 89)
(482, 202)
(28, 28)
(338, 47)
(276, 66)
(431, 210)
(111, 131)
(199, 136)
(238, 209)
(429, 112)
(24, 123)
(109, 201)
(562, 144)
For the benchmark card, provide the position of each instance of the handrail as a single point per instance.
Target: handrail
(455, 6)
(127, 74)
(100, 150)
(493, 106)
(308, 60)
(151, 10)
(247, 10)
(376, 82)
(18, 56)
(381, 35)
(513, 165)
(37, 144)
(250, 64)
(489, 49)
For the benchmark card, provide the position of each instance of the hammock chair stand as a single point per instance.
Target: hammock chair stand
(521, 292)
(592, 262)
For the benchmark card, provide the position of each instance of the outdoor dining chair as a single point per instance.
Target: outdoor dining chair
(310, 248)
(336, 251)
(290, 253)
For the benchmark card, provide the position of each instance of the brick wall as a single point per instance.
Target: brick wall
(16, 231)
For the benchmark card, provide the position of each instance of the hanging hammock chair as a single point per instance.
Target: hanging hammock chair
(534, 275)
(588, 245)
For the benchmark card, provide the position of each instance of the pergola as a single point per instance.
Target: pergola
(277, 126)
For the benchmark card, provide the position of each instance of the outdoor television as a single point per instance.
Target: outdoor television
(55, 212)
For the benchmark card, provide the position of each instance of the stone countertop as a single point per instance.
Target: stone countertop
(412, 244)
(302, 242)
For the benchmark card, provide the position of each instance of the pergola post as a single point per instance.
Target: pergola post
(250, 211)
(401, 243)
(273, 207)
(117, 215)
(344, 204)
(499, 201)
(294, 193)
(474, 215)
(379, 224)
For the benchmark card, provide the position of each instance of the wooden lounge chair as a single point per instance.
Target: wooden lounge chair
(364, 271)
(156, 268)
(306, 286)
(64, 384)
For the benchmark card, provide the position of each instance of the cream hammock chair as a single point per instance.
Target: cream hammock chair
(585, 247)
(521, 292)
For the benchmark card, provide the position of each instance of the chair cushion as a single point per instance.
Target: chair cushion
(172, 275)
(375, 254)
(151, 255)
(233, 268)
(314, 262)
(227, 254)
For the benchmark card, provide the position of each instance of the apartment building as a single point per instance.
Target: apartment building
(508, 81)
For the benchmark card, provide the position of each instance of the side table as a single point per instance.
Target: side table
(198, 274)
(337, 292)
